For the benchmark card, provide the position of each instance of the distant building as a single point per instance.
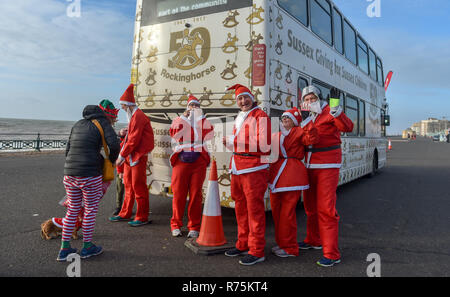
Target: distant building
(431, 126)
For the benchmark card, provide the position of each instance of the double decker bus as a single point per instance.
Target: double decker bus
(274, 47)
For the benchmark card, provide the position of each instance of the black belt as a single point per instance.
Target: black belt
(323, 149)
(246, 155)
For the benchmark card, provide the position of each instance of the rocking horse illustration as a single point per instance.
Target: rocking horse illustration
(150, 101)
(231, 43)
(228, 72)
(255, 17)
(187, 52)
(230, 20)
(184, 98)
(150, 80)
(205, 98)
(165, 102)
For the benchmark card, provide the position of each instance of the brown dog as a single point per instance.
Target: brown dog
(49, 228)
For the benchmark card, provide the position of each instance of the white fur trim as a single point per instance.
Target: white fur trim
(323, 166)
(306, 122)
(291, 116)
(194, 101)
(127, 103)
(56, 224)
(246, 93)
(336, 111)
(289, 189)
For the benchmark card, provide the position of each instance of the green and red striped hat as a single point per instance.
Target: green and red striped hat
(109, 109)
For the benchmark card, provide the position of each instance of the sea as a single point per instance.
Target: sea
(25, 129)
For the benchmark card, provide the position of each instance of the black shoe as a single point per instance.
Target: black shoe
(234, 252)
(251, 260)
(117, 211)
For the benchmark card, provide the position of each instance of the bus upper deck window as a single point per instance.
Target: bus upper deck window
(338, 38)
(298, 8)
(350, 42)
(321, 20)
(363, 59)
(373, 65)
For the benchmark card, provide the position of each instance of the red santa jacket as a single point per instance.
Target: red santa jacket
(327, 152)
(190, 138)
(288, 173)
(251, 143)
(139, 140)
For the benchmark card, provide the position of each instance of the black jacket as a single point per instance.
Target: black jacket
(83, 156)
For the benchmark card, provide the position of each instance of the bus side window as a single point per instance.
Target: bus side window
(362, 118)
(301, 84)
(297, 8)
(351, 111)
(324, 90)
(380, 73)
(349, 42)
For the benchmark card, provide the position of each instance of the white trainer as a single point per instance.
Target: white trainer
(176, 232)
(282, 253)
(193, 234)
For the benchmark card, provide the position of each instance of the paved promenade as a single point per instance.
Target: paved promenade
(402, 214)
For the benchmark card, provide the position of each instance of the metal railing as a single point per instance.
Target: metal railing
(32, 144)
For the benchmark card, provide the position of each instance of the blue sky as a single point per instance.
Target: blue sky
(51, 65)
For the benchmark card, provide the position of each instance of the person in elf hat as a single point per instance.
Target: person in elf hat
(288, 177)
(323, 161)
(189, 162)
(111, 113)
(250, 144)
(139, 142)
(110, 110)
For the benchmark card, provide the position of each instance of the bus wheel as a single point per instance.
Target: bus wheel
(374, 164)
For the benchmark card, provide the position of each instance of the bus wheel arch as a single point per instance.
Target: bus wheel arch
(374, 163)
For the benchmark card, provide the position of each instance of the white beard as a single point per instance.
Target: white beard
(129, 114)
(315, 107)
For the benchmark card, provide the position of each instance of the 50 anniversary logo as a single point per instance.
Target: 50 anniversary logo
(192, 49)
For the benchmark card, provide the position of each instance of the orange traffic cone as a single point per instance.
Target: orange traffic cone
(211, 239)
(389, 145)
(211, 230)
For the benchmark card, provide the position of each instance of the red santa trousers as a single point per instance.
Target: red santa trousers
(320, 208)
(247, 190)
(135, 182)
(188, 178)
(283, 206)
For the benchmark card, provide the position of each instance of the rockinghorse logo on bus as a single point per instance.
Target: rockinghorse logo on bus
(192, 48)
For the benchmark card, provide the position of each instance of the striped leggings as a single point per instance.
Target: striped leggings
(86, 190)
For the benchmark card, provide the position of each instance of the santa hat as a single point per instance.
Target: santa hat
(128, 97)
(310, 90)
(241, 90)
(192, 99)
(294, 114)
(108, 108)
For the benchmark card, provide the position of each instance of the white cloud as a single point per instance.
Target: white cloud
(37, 37)
(52, 65)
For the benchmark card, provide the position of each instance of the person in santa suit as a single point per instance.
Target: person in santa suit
(288, 177)
(138, 143)
(250, 144)
(189, 162)
(323, 161)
